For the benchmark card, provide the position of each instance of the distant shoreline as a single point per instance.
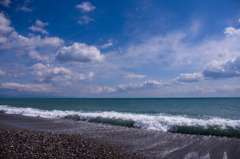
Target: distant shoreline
(115, 97)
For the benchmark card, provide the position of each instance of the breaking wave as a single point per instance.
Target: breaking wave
(161, 122)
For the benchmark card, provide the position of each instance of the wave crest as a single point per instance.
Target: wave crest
(161, 122)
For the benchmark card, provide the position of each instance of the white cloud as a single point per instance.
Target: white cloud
(188, 78)
(38, 27)
(36, 56)
(85, 20)
(85, 7)
(22, 43)
(13, 41)
(101, 89)
(232, 31)
(214, 70)
(58, 75)
(227, 69)
(147, 84)
(41, 24)
(176, 50)
(25, 7)
(5, 3)
(132, 75)
(156, 50)
(2, 73)
(108, 89)
(79, 52)
(5, 25)
(107, 45)
(36, 88)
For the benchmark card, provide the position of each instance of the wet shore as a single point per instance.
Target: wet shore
(120, 141)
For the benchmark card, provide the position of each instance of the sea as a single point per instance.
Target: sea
(200, 116)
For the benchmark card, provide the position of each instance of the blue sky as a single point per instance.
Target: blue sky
(119, 48)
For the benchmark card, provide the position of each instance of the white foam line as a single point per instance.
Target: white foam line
(160, 122)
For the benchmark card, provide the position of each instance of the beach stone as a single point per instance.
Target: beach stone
(37, 144)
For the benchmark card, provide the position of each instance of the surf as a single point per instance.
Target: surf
(184, 124)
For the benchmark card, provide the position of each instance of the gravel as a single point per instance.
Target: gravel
(38, 144)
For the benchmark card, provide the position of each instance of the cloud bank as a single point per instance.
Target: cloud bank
(35, 88)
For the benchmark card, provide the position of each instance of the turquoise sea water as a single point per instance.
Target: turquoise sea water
(207, 116)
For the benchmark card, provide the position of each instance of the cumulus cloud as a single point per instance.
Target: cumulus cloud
(11, 40)
(36, 88)
(36, 56)
(85, 7)
(223, 70)
(85, 20)
(38, 27)
(232, 31)
(188, 78)
(175, 50)
(5, 3)
(132, 75)
(5, 27)
(146, 84)
(58, 75)
(214, 70)
(20, 43)
(79, 52)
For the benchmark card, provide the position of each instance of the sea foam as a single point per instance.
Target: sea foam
(161, 122)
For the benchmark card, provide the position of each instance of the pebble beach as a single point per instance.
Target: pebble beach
(16, 143)
(35, 137)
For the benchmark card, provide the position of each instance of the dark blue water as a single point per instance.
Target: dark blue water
(185, 115)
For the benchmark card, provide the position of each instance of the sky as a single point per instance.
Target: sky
(120, 48)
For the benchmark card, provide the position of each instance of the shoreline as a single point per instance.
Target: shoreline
(149, 144)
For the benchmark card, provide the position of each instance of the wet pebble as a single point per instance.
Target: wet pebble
(37, 144)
